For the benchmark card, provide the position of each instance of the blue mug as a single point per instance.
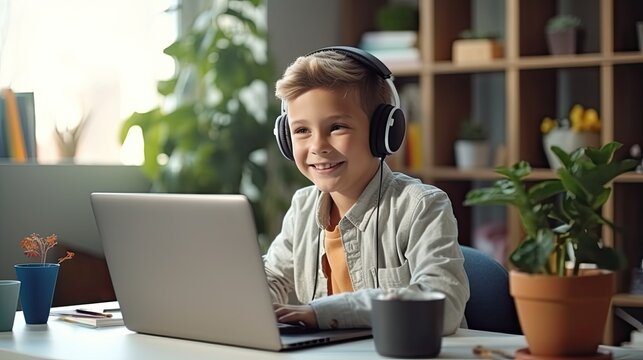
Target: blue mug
(38, 282)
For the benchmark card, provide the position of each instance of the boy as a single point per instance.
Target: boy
(339, 246)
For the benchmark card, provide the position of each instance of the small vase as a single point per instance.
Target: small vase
(563, 42)
(38, 282)
(471, 154)
(569, 141)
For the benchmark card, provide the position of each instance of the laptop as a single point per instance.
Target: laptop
(190, 267)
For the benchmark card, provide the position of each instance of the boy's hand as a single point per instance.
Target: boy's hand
(296, 314)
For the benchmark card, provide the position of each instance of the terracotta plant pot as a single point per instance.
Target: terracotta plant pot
(562, 316)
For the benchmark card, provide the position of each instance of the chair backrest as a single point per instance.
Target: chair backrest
(490, 306)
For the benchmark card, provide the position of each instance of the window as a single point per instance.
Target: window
(98, 59)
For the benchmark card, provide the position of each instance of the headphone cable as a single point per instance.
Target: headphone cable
(317, 264)
(377, 226)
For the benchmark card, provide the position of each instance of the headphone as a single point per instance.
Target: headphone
(388, 124)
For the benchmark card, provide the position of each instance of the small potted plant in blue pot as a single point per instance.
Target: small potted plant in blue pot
(38, 280)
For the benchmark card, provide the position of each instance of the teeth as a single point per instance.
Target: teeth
(324, 166)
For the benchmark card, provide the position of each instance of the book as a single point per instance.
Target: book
(378, 40)
(91, 321)
(15, 135)
(26, 109)
(4, 152)
(23, 102)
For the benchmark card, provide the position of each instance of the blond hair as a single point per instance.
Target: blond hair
(332, 70)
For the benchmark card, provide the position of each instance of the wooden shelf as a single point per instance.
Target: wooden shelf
(627, 58)
(447, 67)
(627, 300)
(560, 61)
(406, 69)
(513, 94)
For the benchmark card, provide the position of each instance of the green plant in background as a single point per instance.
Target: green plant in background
(397, 17)
(213, 133)
(472, 131)
(562, 22)
(560, 214)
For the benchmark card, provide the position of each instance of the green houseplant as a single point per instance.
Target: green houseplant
(562, 221)
(214, 113)
(213, 131)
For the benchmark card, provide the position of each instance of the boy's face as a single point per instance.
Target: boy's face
(330, 138)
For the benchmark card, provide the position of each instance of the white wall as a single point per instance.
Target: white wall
(54, 199)
(296, 27)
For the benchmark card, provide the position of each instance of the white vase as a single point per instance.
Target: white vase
(471, 154)
(569, 141)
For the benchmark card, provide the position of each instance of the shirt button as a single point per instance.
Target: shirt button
(334, 324)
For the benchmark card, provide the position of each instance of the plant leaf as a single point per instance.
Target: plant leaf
(545, 190)
(532, 255)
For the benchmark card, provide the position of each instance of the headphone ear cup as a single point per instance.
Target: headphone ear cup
(282, 132)
(397, 131)
(377, 130)
(385, 142)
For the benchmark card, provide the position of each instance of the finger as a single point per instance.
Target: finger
(290, 317)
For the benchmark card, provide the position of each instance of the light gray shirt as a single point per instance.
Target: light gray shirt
(418, 250)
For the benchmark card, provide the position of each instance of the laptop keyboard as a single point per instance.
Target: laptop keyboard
(289, 329)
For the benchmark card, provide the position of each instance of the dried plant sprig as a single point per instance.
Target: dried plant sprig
(35, 245)
(68, 256)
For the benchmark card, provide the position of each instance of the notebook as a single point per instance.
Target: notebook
(189, 266)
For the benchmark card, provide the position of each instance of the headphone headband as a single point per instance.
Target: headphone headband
(370, 61)
(361, 56)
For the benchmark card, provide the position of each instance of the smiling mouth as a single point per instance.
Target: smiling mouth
(326, 166)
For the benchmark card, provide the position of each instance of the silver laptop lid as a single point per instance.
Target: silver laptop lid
(187, 266)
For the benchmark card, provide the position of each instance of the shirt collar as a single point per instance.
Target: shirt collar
(363, 209)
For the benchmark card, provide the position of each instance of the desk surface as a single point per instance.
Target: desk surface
(63, 340)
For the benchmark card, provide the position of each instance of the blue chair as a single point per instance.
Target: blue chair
(490, 306)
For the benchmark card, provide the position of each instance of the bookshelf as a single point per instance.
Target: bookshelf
(511, 95)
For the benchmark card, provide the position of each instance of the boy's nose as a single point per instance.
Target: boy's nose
(320, 145)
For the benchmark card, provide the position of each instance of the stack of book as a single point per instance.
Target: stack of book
(17, 126)
(91, 318)
(393, 48)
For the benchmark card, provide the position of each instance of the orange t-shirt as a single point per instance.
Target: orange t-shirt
(334, 263)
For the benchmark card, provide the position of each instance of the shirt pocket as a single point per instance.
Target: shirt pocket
(395, 277)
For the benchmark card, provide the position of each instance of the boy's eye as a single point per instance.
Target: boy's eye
(300, 130)
(337, 127)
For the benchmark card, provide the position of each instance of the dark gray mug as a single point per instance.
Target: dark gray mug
(409, 328)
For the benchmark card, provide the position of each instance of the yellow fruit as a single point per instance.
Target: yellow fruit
(591, 120)
(590, 115)
(576, 113)
(547, 125)
(595, 126)
(577, 124)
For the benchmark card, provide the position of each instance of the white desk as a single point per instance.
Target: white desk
(62, 340)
